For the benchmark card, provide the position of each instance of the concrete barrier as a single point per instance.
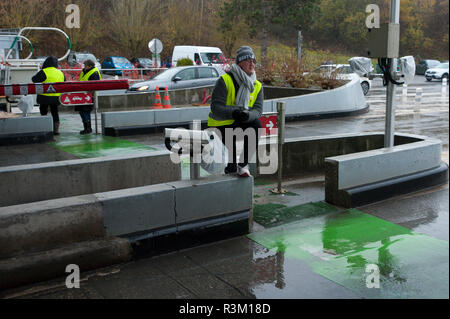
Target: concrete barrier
(300, 103)
(37, 182)
(25, 130)
(359, 170)
(146, 100)
(38, 240)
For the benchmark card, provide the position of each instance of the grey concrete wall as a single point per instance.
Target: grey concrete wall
(49, 224)
(382, 164)
(23, 125)
(37, 182)
(146, 100)
(348, 98)
(307, 155)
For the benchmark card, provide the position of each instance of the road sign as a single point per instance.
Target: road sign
(77, 98)
(155, 46)
(269, 124)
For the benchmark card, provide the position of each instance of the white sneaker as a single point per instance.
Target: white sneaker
(244, 171)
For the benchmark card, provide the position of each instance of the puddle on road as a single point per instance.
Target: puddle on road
(92, 145)
(340, 245)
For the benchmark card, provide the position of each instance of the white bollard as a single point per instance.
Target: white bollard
(444, 87)
(418, 95)
(405, 93)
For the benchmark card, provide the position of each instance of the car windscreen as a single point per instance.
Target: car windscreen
(84, 57)
(167, 74)
(214, 58)
(442, 66)
(120, 60)
(145, 61)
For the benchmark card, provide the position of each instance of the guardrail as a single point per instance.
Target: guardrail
(140, 74)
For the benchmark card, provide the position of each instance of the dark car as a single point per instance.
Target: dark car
(116, 62)
(424, 65)
(179, 78)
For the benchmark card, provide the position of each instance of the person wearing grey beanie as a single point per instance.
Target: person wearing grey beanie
(237, 103)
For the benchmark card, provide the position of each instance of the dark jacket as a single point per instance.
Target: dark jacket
(40, 77)
(87, 108)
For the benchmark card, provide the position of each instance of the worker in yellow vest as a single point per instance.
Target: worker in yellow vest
(89, 73)
(49, 74)
(237, 102)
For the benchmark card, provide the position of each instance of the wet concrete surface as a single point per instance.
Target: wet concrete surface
(241, 267)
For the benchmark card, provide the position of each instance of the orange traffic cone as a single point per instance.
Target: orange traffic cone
(166, 100)
(157, 104)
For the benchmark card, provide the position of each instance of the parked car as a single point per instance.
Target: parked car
(79, 57)
(179, 78)
(116, 62)
(142, 63)
(439, 72)
(424, 65)
(343, 72)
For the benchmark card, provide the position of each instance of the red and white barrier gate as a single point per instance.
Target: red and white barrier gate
(62, 87)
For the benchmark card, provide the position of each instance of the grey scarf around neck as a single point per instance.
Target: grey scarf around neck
(246, 85)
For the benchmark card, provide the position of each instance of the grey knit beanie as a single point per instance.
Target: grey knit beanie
(244, 53)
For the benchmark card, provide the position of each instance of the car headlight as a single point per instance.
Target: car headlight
(143, 88)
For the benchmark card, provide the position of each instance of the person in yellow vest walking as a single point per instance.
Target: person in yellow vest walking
(49, 74)
(237, 102)
(89, 73)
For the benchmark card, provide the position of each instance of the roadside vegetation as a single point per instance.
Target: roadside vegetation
(332, 30)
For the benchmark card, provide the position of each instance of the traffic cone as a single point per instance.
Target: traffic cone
(157, 104)
(166, 100)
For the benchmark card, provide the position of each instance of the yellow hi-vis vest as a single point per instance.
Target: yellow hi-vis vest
(231, 99)
(85, 76)
(53, 75)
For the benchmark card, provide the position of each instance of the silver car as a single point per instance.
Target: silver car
(179, 78)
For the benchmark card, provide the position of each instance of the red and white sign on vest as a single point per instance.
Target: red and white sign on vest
(269, 123)
(76, 98)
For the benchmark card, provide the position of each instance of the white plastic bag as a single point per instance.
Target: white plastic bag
(26, 104)
(361, 65)
(407, 67)
(214, 155)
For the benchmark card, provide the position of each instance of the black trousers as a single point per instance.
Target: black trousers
(46, 102)
(248, 152)
(43, 108)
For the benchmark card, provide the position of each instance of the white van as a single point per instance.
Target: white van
(200, 55)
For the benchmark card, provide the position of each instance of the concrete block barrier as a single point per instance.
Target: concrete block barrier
(38, 240)
(26, 130)
(37, 182)
(49, 264)
(300, 103)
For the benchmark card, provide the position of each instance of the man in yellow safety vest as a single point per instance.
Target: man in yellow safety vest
(89, 73)
(49, 74)
(237, 102)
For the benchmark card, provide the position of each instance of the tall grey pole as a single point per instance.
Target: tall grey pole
(299, 44)
(281, 110)
(390, 92)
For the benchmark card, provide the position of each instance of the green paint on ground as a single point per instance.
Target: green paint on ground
(340, 245)
(92, 145)
(285, 194)
(262, 182)
(271, 215)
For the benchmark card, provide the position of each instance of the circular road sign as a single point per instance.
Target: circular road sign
(155, 46)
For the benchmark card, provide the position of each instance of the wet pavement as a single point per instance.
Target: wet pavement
(300, 247)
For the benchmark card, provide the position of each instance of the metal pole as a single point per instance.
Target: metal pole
(390, 94)
(299, 45)
(96, 110)
(281, 109)
(194, 166)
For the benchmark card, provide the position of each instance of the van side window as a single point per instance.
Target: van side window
(188, 74)
(197, 59)
(204, 73)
